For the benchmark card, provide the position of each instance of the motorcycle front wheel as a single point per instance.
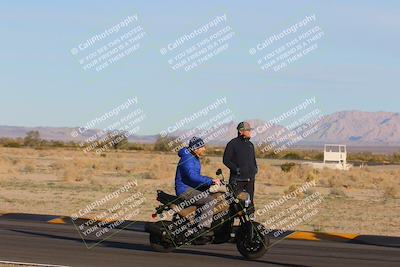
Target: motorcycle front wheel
(252, 247)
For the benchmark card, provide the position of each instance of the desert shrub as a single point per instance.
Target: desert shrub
(216, 151)
(312, 175)
(135, 146)
(319, 156)
(32, 139)
(12, 144)
(287, 167)
(163, 144)
(337, 192)
(56, 143)
(4, 141)
(292, 155)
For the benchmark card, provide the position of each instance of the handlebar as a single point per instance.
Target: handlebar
(219, 172)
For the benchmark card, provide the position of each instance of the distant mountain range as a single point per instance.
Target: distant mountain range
(356, 128)
(359, 128)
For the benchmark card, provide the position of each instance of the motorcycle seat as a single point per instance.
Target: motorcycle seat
(172, 201)
(186, 212)
(167, 199)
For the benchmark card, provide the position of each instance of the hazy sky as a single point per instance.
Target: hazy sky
(356, 64)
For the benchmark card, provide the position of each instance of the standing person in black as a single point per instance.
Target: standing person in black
(240, 158)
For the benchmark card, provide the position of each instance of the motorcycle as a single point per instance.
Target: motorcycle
(232, 222)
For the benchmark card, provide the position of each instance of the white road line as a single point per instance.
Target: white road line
(32, 264)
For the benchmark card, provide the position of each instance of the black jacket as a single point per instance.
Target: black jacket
(240, 158)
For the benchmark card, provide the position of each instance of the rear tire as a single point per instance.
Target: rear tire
(256, 248)
(160, 246)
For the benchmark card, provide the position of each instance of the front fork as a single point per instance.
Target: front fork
(246, 225)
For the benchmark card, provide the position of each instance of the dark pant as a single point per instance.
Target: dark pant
(245, 186)
(201, 198)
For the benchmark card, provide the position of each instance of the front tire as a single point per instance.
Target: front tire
(255, 248)
(158, 245)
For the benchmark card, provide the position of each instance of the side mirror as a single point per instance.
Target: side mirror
(218, 172)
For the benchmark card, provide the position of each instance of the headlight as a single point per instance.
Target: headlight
(245, 197)
(248, 201)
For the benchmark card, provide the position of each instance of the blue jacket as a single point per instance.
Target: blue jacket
(188, 173)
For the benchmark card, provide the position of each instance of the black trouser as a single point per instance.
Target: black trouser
(245, 186)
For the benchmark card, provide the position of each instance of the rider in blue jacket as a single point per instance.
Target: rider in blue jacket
(188, 173)
(188, 178)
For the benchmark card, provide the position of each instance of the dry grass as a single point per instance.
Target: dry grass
(62, 181)
(337, 192)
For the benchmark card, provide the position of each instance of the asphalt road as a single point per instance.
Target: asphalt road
(35, 242)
